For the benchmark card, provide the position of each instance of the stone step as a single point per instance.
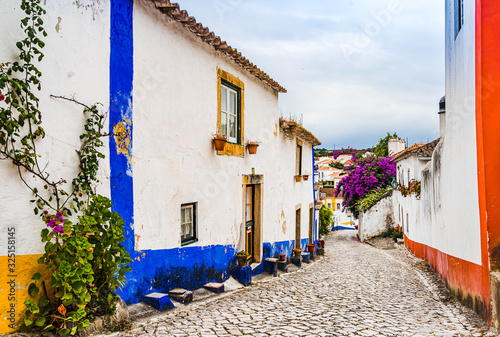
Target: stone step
(181, 295)
(159, 301)
(214, 287)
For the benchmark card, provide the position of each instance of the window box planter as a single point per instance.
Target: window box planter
(219, 142)
(252, 147)
(298, 179)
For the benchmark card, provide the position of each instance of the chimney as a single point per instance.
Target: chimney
(442, 116)
(396, 145)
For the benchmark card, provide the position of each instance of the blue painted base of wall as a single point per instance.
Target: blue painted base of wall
(188, 268)
(274, 249)
(191, 267)
(342, 228)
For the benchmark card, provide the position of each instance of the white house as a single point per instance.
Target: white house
(458, 230)
(169, 84)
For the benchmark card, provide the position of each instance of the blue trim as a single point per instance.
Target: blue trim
(274, 249)
(187, 267)
(121, 76)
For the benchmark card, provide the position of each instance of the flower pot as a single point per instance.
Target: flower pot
(282, 257)
(219, 144)
(297, 252)
(252, 148)
(306, 177)
(311, 247)
(298, 179)
(321, 243)
(242, 260)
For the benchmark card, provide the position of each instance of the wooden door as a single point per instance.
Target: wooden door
(298, 243)
(249, 218)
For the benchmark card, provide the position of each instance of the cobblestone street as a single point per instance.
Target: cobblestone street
(355, 290)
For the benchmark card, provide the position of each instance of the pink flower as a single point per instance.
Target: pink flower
(59, 229)
(2, 97)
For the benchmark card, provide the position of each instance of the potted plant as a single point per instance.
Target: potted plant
(321, 243)
(282, 257)
(311, 247)
(252, 147)
(298, 179)
(305, 177)
(242, 257)
(297, 252)
(219, 141)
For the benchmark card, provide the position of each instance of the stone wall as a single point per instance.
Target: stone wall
(377, 218)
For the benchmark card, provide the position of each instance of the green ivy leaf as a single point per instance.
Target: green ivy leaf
(33, 289)
(28, 321)
(40, 321)
(36, 277)
(63, 332)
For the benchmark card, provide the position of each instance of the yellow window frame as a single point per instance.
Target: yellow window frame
(231, 149)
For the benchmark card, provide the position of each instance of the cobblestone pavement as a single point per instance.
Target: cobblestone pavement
(355, 290)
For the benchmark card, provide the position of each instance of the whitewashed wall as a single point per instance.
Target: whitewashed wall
(378, 218)
(173, 159)
(450, 212)
(76, 64)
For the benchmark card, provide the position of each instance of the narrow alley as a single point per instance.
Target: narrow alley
(355, 290)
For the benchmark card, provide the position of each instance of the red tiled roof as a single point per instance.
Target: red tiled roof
(299, 131)
(419, 150)
(172, 10)
(407, 150)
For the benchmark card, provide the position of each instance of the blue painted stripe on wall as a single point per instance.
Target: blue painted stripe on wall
(121, 72)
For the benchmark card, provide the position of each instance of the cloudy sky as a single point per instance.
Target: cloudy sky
(355, 69)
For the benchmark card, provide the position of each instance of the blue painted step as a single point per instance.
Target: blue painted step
(159, 301)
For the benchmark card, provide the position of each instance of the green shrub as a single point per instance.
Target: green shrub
(325, 219)
(372, 198)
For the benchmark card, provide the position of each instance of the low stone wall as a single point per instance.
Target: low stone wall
(378, 218)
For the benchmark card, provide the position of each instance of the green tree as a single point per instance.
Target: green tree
(382, 148)
(325, 218)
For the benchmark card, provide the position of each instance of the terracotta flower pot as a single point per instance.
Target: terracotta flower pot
(311, 247)
(321, 243)
(297, 252)
(298, 179)
(306, 177)
(252, 148)
(282, 257)
(219, 144)
(242, 260)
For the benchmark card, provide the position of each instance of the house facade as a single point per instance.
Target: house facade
(459, 230)
(169, 84)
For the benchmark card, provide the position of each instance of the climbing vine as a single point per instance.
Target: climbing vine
(81, 233)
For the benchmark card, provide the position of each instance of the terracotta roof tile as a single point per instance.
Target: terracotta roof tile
(299, 131)
(419, 150)
(172, 10)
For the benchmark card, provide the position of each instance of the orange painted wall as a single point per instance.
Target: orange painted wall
(460, 275)
(26, 267)
(488, 124)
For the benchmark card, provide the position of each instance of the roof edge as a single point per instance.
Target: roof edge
(173, 10)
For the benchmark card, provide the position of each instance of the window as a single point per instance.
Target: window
(459, 16)
(188, 224)
(230, 119)
(298, 157)
(229, 112)
(329, 205)
(338, 206)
